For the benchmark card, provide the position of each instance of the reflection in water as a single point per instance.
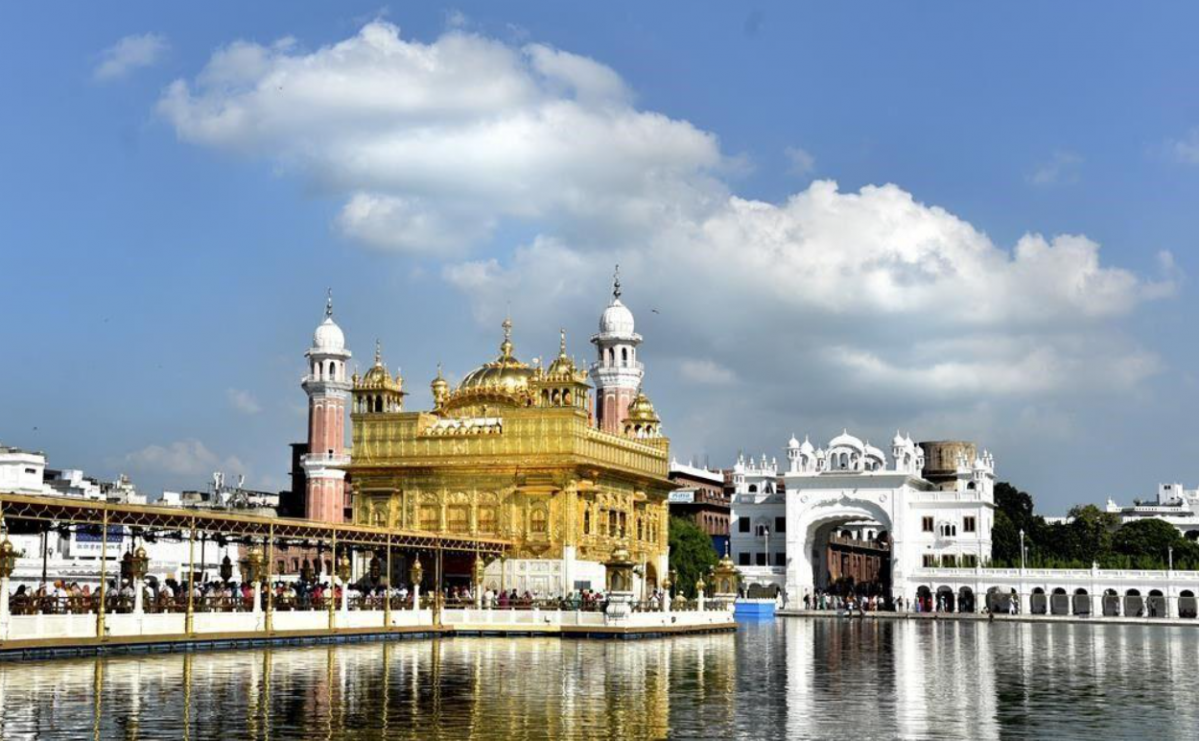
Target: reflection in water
(792, 678)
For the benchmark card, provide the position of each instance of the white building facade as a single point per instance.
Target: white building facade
(1173, 504)
(854, 493)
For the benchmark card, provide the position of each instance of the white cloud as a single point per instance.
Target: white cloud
(871, 295)
(433, 144)
(243, 401)
(130, 53)
(800, 162)
(1183, 150)
(706, 372)
(183, 458)
(1061, 168)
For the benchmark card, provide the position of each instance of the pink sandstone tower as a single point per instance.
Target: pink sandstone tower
(328, 388)
(617, 374)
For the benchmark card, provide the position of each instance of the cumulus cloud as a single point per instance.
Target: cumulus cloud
(243, 401)
(182, 458)
(871, 295)
(800, 162)
(433, 144)
(1062, 167)
(129, 54)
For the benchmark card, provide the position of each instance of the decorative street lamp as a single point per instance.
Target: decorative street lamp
(306, 572)
(376, 569)
(343, 568)
(1022, 534)
(8, 562)
(140, 564)
(8, 559)
(415, 574)
(252, 567)
(226, 570)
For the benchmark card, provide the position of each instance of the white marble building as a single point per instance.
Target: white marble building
(1174, 504)
(850, 488)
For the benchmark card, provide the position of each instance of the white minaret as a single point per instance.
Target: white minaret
(616, 374)
(328, 389)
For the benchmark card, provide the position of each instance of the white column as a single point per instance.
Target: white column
(700, 601)
(139, 587)
(257, 607)
(4, 614)
(1097, 603)
(1172, 603)
(416, 591)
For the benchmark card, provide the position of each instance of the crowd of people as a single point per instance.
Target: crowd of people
(169, 595)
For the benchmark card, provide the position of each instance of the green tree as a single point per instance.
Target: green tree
(692, 554)
(1088, 535)
(1145, 543)
(1006, 544)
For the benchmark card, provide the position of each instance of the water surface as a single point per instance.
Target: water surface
(793, 678)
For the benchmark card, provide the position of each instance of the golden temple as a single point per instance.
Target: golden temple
(515, 451)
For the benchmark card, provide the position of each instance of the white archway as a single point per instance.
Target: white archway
(809, 536)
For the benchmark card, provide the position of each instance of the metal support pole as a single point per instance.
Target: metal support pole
(329, 600)
(103, 572)
(270, 590)
(189, 620)
(387, 587)
(437, 596)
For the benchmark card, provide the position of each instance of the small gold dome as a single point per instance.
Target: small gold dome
(563, 365)
(641, 410)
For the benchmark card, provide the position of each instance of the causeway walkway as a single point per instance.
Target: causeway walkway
(999, 618)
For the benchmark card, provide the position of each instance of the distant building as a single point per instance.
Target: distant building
(701, 498)
(1174, 504)
(758, 522)
(22, 471)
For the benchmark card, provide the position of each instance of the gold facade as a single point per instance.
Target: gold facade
(512, 452)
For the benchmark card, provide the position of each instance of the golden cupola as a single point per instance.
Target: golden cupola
(501, 382)
(440, 388)
(377, 391)
(562, 384)
(642, 420)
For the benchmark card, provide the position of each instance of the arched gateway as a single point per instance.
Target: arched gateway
(850, 518)
(826, 554)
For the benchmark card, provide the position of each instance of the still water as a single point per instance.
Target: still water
(792, 678)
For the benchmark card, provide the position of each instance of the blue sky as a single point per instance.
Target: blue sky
(1008, 254)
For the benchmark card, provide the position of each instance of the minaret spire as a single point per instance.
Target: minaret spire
(617, 281)
(329, 302)
(378, 352)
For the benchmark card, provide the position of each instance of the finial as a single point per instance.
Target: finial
(562, 341)
(439, 375)
(507, 325)
(617, 281)
(329, 302)
(378, 352)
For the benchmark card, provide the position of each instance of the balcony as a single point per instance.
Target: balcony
(332, 460)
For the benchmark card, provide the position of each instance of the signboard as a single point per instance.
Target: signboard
(681, 497)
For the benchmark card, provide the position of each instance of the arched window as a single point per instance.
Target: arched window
(537, 521)
(753, 488)
(624, 356)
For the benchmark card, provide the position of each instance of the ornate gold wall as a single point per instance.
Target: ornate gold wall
(540, 476)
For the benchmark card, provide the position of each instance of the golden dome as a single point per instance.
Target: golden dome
(641, 410)
(563, 365)
(377, 377)
(503, 380)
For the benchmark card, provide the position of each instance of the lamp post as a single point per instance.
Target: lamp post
(8, 562)
(343, 575)
(415, 574)
(252, 572)
(1026, 604)
(137, 570)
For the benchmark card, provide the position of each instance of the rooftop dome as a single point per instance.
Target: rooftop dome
(506, 375)
(328, 337)
(616, 319)
(846, 440)
(793, 443)
(806, 447)
(875, 452)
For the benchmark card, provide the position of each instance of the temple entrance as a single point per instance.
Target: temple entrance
(845, 547)
(853, 558)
